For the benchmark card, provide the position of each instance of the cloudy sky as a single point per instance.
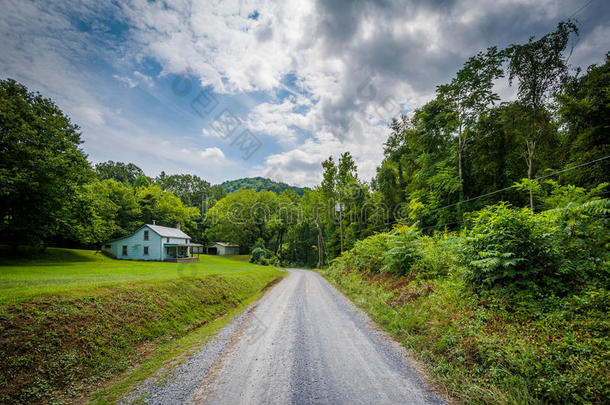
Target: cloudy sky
(229, 89)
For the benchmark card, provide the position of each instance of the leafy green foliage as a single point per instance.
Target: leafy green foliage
(402, 250)
(504, 246)
(263, 256)
(584, 107)
(191, 189)
(367, 255)
(119, 171)
(555, 251)
(497, 350)
(42, 167)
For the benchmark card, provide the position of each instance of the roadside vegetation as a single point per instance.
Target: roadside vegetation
(511, 309)
(71, 320)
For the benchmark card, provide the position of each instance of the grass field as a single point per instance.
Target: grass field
(77, 271)
(72, 321)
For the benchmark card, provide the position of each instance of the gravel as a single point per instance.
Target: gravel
(302, 343)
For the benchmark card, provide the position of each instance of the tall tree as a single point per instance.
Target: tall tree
(469, 94)
(165, 208)
(584, 108)
(119, 171)
(42, 167)
(539, 66)
(191, 189)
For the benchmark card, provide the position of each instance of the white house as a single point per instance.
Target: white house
(223, 248)
(153, 242)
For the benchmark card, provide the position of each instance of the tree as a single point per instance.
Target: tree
(469, 94)
(584, 109)
(165, 208)
(42, 167)
(119, 171)
(191, 189)
(103, 210)
(539, 67)
(243, 217)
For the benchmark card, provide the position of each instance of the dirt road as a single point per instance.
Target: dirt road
(303, 343)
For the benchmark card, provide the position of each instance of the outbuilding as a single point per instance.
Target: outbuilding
(153, 242)
(223, 248)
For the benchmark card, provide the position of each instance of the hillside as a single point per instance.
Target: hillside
(259, 184)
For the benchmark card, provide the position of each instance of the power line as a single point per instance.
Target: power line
(501, 190)
(581, 9)
(508, 188)
(463, 220)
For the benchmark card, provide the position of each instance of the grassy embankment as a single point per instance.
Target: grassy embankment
(72, 320)
(492, 351)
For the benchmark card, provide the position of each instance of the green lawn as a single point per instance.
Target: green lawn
(72, 321)
(70, 270)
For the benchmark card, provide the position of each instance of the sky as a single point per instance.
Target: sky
(231, 89)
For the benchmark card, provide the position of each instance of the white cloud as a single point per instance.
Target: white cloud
(214, 154)
(144, 78)
(89, 115)
(129, 82)
(349, 67)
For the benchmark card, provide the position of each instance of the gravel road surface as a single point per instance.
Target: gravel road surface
(302, 343)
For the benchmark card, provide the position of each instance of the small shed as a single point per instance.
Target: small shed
(223, 248)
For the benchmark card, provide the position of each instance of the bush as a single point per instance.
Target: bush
(551, 252)
(402, 250)
(437, 255)
(582, 234)
(505, 246)
(367, 255)
(264, 256)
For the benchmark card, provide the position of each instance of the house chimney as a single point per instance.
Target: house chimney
(178, 225)
(154, 222)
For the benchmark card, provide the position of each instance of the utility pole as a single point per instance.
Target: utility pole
(320, 243)
(341, 220)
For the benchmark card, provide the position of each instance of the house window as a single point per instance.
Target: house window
(146, 250)
(124, 250)
(167, 240)
(145, 235)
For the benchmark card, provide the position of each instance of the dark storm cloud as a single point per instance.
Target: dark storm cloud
(423, 43)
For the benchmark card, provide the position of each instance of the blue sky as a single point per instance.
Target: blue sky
(245, 88)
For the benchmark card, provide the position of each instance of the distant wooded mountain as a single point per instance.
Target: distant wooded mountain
(259, 184)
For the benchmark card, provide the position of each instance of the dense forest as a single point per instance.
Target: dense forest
(259, 184)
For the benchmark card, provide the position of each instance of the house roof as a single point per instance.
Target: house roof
(225, 244)
(168, 232)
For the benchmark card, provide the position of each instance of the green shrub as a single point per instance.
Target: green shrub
(554, 251)
(437, 255)
(257, 254)
(264, 256)
(402, 250)
(509, 247)
(367, 255)
(582, 235)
